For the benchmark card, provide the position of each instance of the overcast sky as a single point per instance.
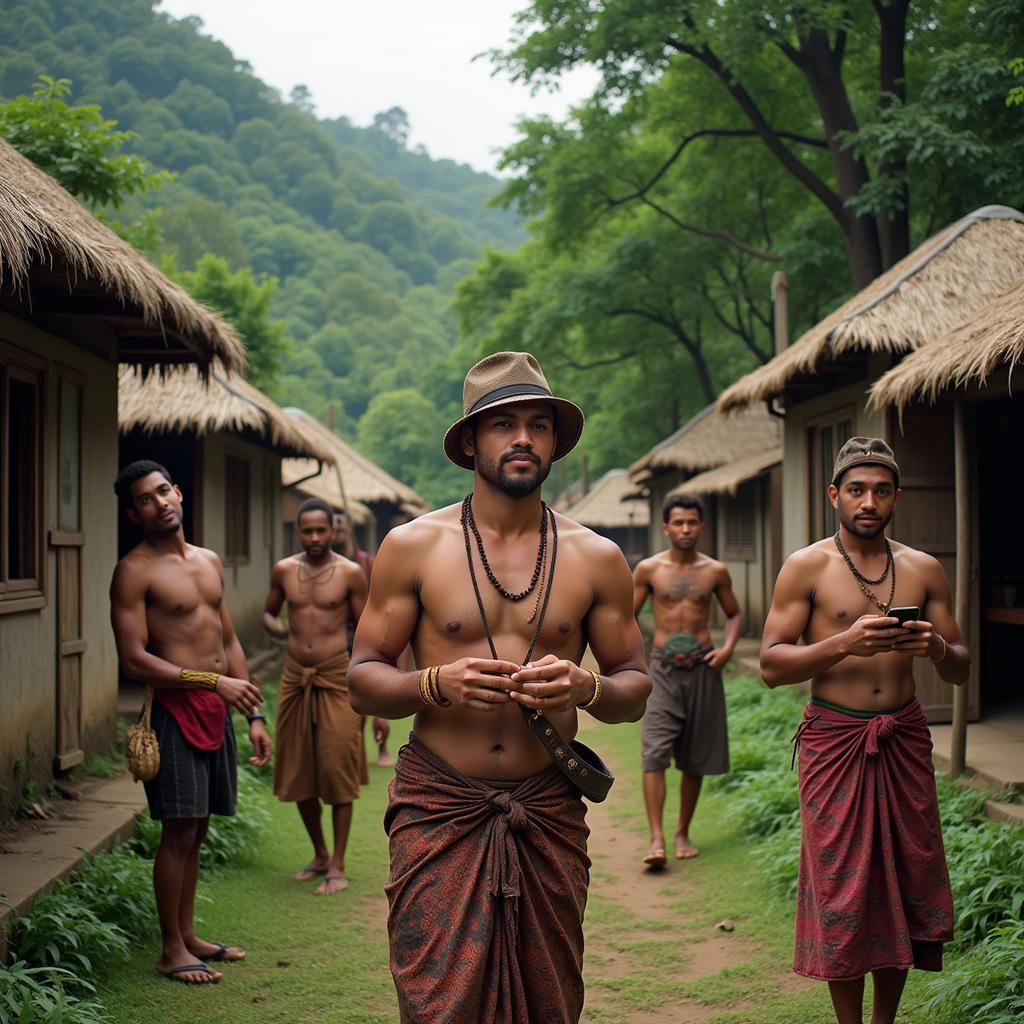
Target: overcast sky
(359, 58)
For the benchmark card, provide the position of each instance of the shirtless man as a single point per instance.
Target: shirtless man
(173, 633)
(478, 810)
(874, 892)
(320, 754)
(686, 712)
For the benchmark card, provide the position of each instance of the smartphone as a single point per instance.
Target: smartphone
(905, 615)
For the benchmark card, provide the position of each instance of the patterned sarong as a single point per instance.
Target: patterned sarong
(874, 890)
(487, 890)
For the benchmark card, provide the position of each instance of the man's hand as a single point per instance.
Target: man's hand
(478, 683)
(275, 627)
(718, 658)
(871, 635)
(381, 730)
(260, 743)
(239, 694)
(921, 640)
(552, 684)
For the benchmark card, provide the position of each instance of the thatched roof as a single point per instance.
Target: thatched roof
(603, 505)
(180, 400)
(75, 264)
(727, 479)
(364, 481)
(944, 280)
(710, 439)
(990, 339)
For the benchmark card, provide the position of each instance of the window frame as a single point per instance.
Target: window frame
(235, 558)
(745, 497)
(817, 498)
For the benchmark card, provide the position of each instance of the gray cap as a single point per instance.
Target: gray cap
(860, 451)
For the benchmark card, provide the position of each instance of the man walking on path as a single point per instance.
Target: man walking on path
(499, 597)
(685, 716)
(173, 633)
(874, 891)
(344, 543)
(320, 751)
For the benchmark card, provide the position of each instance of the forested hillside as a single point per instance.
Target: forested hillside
(365, 237)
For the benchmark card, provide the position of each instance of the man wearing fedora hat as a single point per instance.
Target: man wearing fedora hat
(499, 597)
(873, 892)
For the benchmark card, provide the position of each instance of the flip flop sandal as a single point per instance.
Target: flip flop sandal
(221, 956)
(332, 878)
(655, 859)
(196, 968)
(309, 869)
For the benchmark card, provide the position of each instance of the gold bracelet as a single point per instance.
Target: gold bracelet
(425, 694)
(199, 680)
(597, 692)
(945, 650)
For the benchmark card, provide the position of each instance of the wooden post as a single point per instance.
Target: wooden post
(780, 301)
(958, 740)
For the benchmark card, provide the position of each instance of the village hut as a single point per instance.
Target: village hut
(606, 509)
(372, 498)
(76, 301)
(223, 441)
(731, 462)
(923, 357)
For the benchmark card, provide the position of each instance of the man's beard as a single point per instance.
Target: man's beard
(512, 486)
(863, 530)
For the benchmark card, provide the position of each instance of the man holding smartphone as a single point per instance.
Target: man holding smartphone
(851, 613)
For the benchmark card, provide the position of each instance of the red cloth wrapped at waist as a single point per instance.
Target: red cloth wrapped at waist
(200, 714)
(874, 890)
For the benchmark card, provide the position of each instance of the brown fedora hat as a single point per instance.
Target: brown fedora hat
(503, 379)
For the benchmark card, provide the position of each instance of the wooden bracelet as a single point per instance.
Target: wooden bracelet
(597, 692)
(198, 679)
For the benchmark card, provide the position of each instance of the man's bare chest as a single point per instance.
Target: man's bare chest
(672, 587)
(184, 589)
(839, 599)
(327, 592)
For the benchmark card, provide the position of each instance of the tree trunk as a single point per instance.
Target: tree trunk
(894, 232)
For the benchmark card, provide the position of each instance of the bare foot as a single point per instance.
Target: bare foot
(214, 952)
(384, 759)
(331, 884)
(314, 869)
(685, 850)
(655, 858)
(185, 969)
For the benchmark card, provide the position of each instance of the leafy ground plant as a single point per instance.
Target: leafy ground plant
(39, 995)
(117, 886)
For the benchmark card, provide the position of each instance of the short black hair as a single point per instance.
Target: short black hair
(136, 471)
(681, 501)
(314, 505)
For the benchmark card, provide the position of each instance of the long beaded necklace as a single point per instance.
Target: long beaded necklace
(320, 575)
(863, 581)
(467, 518)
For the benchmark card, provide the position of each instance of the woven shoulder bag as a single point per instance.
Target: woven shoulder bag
(141, 750)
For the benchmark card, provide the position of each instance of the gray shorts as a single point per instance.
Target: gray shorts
(685, 718)
(191, 783)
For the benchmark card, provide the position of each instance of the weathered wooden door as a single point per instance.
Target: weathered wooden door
(926, 519)
(68, 540)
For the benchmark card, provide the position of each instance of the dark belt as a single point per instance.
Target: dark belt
(580, 765)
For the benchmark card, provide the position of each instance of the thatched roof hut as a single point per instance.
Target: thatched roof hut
(710, 439)
(605, 505)
(363, 482)
(180, 401)
(728, 478)
(951, 276)
(988, 340)
(70, 263)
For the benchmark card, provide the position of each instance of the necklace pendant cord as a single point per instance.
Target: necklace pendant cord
(468, 518)
(863, 581)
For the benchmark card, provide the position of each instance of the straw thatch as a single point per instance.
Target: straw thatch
(603, 507)
(990, 339)
(727, 479)
(711, 439)
(48, 237)
(363, 481)
(928, 293)
(180, 400)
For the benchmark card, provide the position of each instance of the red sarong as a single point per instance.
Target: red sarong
(874, 890)
(487, 890)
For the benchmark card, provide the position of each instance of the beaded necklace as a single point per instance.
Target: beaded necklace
(863, 581)
(468, 519)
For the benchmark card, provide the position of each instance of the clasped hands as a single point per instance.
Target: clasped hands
(882, 634)
(548, 684)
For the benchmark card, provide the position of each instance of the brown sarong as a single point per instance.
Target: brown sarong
(874, 890)
(318, 749)
(487, 890)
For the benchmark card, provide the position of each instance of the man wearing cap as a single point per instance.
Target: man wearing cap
(499, 597)
(873, 892)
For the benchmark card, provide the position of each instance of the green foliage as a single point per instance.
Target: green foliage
(39, 995)
(104, 766)
(118, 888)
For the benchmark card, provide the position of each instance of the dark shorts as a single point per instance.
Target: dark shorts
(191, 783)
(685, 718)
